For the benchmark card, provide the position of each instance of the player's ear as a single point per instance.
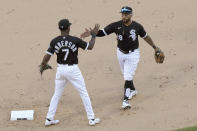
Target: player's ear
(68, 30)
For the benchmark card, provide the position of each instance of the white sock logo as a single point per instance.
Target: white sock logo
(133, 34)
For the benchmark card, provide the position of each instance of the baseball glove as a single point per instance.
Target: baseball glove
(44, 67)
(159, 56)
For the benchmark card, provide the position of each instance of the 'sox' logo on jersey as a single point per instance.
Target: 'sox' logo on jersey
(133, 35)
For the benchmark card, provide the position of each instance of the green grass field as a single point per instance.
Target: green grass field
(193, 128)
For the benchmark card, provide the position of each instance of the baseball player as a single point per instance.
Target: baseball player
(66, 48)
(128, 53)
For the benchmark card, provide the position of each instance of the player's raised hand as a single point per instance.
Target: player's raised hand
(89, 32)
(95, 30)
(85, 34)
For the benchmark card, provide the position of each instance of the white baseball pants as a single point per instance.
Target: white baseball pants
(64, 75)
(128, 63)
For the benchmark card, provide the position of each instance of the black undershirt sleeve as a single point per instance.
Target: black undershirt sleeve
(142, 32)
(51, 48)
(107, 30)
(100, 33)
(82, 44)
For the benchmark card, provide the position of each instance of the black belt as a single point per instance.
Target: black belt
(126, 52)
(69, 64)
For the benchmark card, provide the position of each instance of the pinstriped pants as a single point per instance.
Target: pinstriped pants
(128, 63)
(64, 75)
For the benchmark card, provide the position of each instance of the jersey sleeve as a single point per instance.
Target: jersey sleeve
(109, 29)
(82, 44)
(142, 32)
(51, 48)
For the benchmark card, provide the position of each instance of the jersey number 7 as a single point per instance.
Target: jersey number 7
(66, 53)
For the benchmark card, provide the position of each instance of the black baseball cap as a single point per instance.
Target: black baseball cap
(126, 10)
(64, 24)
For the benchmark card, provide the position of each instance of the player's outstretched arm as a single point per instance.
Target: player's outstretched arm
(87, 33)
(45, 59)
(159, 54)
(93, 32)
(149, 40)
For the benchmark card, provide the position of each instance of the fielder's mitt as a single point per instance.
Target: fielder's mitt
(159, 56)
(44, 67)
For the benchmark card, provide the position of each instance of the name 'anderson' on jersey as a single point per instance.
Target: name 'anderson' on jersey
(66, 49)
(127, 36)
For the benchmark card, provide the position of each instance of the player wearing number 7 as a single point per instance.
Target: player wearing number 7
(66, 48)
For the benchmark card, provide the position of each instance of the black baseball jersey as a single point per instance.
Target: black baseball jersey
(66, 49)
(127, 36)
